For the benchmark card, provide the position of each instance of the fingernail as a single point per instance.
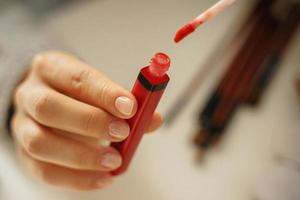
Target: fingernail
(111, 160)
(119, 129)
(102, 182)
(124, 105)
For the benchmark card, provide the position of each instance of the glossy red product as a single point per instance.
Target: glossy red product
(148, 89)
(183, 32)
(203, 17)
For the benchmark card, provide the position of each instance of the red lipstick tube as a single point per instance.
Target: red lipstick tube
(148, 89)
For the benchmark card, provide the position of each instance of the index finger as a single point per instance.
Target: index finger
(82, 82)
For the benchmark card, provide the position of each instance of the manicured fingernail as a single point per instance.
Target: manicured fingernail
(119, 129)
(124, 105)
(111, 160)
(103, 182)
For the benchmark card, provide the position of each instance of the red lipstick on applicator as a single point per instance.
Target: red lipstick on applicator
(203, 17)
(148, 90)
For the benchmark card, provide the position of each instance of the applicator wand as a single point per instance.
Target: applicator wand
(205, 16)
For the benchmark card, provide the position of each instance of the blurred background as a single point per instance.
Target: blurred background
(232, 107)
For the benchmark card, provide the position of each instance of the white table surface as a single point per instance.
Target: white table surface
(119, 37)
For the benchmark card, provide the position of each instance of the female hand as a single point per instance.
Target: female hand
(64, 107)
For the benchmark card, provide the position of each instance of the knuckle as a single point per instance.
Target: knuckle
(39, 61)
(13, 124)
(34, 141)
(103, 95)
(84, 159)
(92, 119)
(79, 79)
(41, 105)
(19, 94)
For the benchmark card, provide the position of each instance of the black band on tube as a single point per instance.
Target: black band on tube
(150, 86)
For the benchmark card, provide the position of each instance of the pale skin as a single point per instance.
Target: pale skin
(64, 107)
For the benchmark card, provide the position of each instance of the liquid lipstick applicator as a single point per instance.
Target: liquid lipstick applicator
(148, 89)
(203, 17)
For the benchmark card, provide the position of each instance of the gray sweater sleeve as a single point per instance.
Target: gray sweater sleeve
(20, 40)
